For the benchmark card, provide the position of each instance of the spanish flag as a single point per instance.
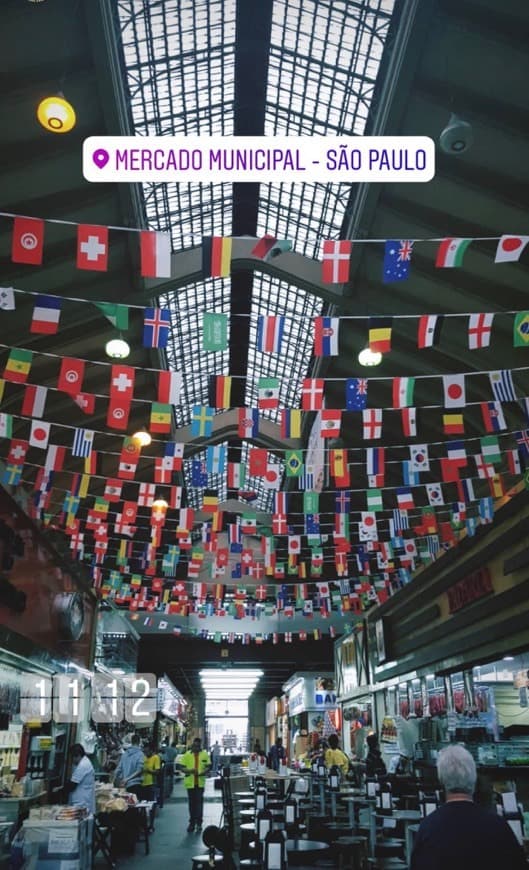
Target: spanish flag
(160, 417)
(18, 366)
(216, 256)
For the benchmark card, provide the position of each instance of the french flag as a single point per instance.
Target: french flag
(46, 315)
(270, 333)
(155, 255)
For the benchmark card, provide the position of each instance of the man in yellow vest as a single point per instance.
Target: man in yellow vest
(196, 764)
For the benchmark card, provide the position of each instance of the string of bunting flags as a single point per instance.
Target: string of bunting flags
(46, 314)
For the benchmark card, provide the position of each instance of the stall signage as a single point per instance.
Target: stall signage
(470, 589)
(296, 701)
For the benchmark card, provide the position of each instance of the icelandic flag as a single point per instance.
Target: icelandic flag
(156, 327)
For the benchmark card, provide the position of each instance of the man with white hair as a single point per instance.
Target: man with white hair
(460, 835)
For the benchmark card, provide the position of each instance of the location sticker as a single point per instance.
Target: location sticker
(100, 158)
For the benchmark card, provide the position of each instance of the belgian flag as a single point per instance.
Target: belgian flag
(216, 256)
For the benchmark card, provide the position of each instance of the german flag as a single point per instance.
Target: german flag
(380, 334)
(453, 424)
(160, 417)
(220, 391)
(216, 256)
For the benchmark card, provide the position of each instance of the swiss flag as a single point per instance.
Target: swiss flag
(86, 402)
(92, 247)
(122, 382)
(27, 243)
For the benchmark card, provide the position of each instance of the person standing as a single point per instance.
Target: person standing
(460, 834)
(215, 756)
(374, 762)
(151, 765)
(129, 772)
(276, 754)
(196, 764)
(81, 787)
(335, 756)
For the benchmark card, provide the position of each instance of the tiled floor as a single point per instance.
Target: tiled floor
(170, 845)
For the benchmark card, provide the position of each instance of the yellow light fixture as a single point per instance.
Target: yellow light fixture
(56, 114)
(117, 348)
(142, 437)
(160, 503)
(368, 357)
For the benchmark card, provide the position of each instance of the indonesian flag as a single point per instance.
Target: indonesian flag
(336, 261)
(169, 386)
(155, 254)
(450, 252)
(510, 248)
(92, 247)
(71, 376)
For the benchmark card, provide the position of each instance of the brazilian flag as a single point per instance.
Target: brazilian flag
(294, 463)
(521, 329)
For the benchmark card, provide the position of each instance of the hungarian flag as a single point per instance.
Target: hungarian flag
(270, 333)
(169, 386)
(429, 330)
(155, 254)
(312, 394)
(451, 252)
(34, 401)
(380, 334)
(479, 329)
(510, 248)
(326, 336)
(27, 244)
(46, 315)
(71, 376)
(216, 256)
(336, 261)
(92, 247)
(18, 366)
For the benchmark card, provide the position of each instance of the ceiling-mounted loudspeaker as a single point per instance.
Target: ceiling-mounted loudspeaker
(457, 137)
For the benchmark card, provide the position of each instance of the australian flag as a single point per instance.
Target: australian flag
(312, 524)
(397, 259)
(199, 474)
(356, 394)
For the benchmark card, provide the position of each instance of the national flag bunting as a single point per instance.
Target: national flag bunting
(502, 386)
(46, 314)
(169, 386)
(380, 334)
(214, 331)
(312, 394)
(270, 333)
(356, 394)
(409, 422)
(248, 422)
(330, 423)
(429, 331)
(454, 391)
(27, 243)
(40, 434)
(479, 330)
(155, 254)
(117, 315)
(267, 393)
(18, 366)
(453, 424)
(216, 256)
(510, 248)
(521, 329)
(156, 323)
(92, 247)
(493, 417)
(34, 401)
(161, 417)
(397, 259)
(326, 336)
(202, 421)
(450, 252)
(290, 423)
(71, 376)
(336, 259)
(403, 389)
(372, 423)
(83, 442)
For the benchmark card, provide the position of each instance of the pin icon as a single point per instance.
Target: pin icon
(100, 158)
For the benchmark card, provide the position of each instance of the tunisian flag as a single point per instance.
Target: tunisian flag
(27, 243)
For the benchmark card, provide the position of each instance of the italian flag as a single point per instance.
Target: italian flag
(155, 250)
(451, 252)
